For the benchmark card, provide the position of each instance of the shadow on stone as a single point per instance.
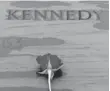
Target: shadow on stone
(26, 88)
